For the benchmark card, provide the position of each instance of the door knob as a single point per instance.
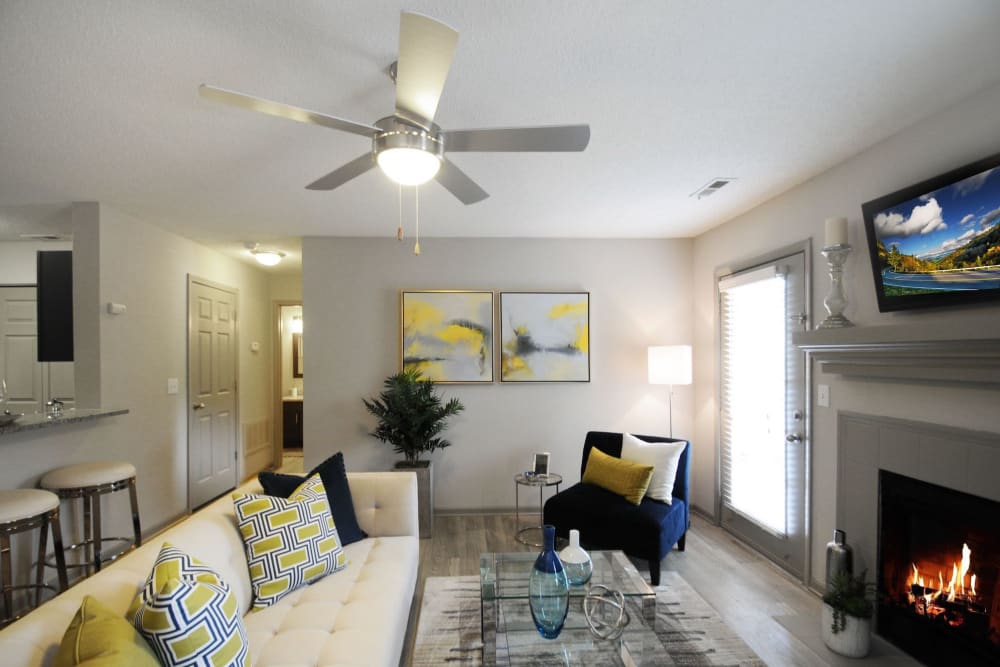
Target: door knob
(794, 437)
(198, 406)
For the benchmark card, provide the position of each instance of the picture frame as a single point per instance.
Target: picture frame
(448, 335)
(545, 336)
(540, 463)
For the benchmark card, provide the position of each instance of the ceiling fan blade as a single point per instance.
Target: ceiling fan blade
(552, 138)
(281, 110)
(459, 184)
(341, 175)
(426, 48)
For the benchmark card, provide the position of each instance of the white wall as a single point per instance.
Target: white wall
(639, 295)
(146, 268)
(18, 260)
(965, 133)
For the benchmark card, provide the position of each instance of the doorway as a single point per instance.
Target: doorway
(212, 390)
(763, 449)
(289, 377)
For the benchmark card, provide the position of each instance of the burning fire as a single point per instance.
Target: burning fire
(932, 601)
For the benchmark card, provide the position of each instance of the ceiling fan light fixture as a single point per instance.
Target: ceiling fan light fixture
(408, 166)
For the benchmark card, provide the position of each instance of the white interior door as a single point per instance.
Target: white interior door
(30, 383)
(212, 392)
(762, 409)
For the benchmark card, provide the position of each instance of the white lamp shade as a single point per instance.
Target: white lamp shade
(670, 364)
(408, 166)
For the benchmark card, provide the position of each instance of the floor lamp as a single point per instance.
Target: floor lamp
(670, 365)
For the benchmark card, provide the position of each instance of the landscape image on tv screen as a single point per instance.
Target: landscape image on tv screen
(946, 240)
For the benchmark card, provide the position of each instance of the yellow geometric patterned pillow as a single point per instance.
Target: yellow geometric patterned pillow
(289, 542)
(188, 614)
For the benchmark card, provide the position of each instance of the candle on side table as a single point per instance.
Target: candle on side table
(836, 232)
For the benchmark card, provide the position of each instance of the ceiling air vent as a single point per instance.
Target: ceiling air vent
(41, 237)
(711, 187)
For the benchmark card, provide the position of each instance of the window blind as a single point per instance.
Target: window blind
(752, 399)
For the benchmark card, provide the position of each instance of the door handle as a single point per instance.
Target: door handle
(793, 437)
(197, 406)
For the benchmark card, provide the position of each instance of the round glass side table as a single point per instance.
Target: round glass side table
(525, 535)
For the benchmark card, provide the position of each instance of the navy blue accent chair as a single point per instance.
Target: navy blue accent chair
(607, 521)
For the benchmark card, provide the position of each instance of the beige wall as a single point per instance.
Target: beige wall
(965, 133)
(146, 269)
(639, 295)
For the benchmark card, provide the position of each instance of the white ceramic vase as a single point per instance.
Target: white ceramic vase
(854, 641)
(576, 561)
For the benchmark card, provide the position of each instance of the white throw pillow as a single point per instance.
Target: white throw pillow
(663, 456)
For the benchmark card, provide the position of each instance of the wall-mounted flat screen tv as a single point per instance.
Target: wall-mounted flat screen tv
(937, 243)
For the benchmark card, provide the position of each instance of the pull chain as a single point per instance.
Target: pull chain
(399, 230)
(416, 214)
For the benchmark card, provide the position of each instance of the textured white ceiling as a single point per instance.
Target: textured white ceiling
(99, 102)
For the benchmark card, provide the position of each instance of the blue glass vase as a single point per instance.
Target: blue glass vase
(548, 588)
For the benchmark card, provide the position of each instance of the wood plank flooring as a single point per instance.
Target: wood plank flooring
(754, 597)
(745, 589)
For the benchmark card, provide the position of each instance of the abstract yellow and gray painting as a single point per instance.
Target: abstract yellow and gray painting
(545, 337)
(448, 336)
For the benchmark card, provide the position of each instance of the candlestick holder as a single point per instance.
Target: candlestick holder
(836, 300)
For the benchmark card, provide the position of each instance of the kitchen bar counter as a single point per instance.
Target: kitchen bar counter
(72, 416)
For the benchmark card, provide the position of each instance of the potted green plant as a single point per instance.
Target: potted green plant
(411, 417)
(847, 614)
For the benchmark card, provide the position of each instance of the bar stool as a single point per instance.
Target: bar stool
(22, 510)
(90, 481)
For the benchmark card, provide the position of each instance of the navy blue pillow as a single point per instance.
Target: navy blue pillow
(338, 494)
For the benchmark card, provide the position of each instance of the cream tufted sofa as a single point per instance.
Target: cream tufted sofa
(354, 617)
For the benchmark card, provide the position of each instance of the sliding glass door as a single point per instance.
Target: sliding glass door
(762, 395)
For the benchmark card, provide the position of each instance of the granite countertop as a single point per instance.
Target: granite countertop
(71, 416)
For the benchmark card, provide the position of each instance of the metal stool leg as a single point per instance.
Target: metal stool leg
(95, 513)
(133, 498)
(57, 546)
(88, 544)
(8, 581)
(43, 536)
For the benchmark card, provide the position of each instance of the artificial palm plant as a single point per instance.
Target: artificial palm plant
(411, 415)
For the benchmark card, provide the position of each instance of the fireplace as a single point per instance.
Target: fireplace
(938, 572)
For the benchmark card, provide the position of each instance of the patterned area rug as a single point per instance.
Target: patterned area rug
(692, 633)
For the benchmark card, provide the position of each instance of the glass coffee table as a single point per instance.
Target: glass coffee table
(509, 634)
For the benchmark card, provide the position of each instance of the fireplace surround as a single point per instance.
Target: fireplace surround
(868, 446)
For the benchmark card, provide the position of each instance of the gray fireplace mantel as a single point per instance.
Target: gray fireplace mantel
(925, 353)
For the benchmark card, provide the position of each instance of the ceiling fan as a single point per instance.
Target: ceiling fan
(408, 146)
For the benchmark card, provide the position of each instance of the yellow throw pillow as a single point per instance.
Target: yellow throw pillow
(188, 614)
(626, 478)
(99, 637)
(289, 543)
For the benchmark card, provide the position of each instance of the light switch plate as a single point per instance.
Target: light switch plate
(172, 386)
(823, 395)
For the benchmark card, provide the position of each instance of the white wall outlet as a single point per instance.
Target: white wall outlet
(172, 386)
(823, 395)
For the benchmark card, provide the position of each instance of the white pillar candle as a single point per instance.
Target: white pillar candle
(836, 231)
